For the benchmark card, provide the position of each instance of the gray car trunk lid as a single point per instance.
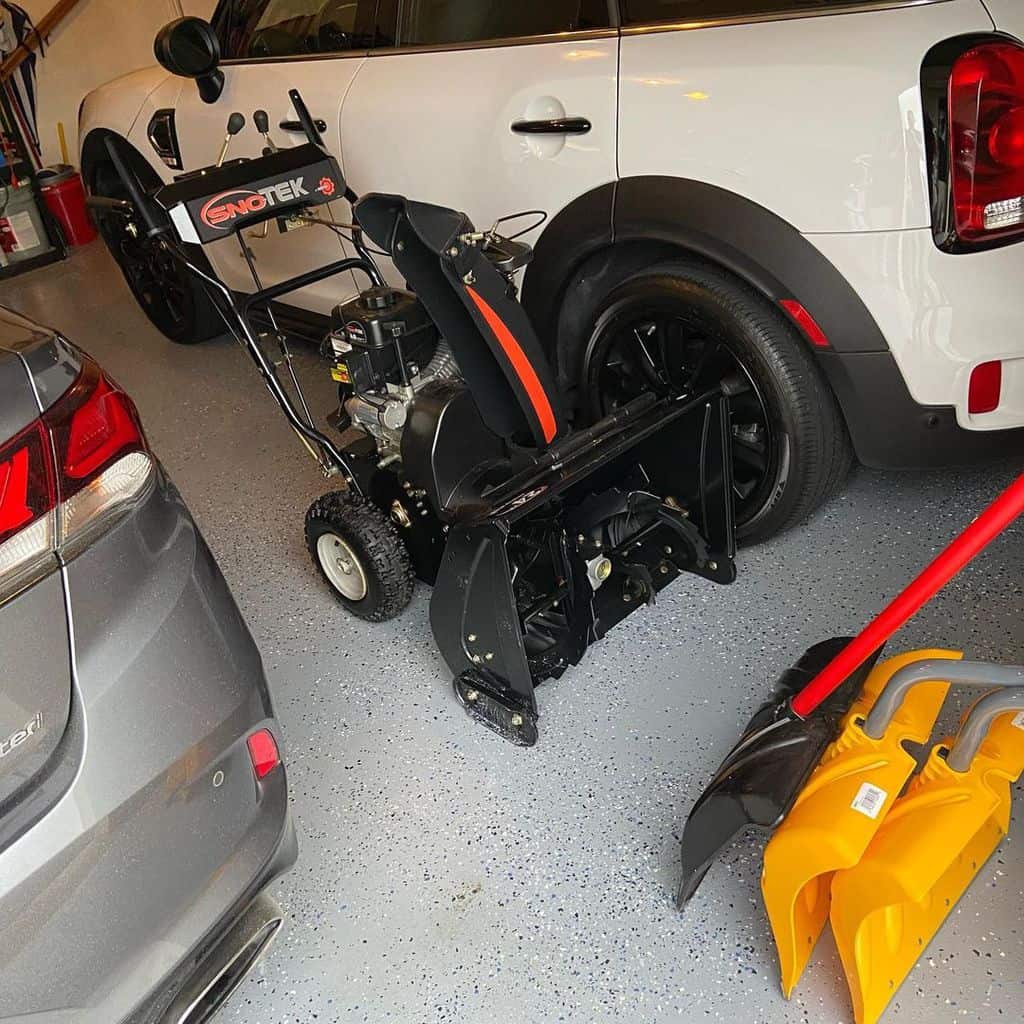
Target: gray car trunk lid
(35, 669)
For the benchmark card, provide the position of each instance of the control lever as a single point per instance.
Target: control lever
(262, 122)
(305, 118)
(236, 122)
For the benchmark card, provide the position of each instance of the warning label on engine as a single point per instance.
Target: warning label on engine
(869, 800)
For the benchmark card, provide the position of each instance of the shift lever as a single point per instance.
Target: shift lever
(236, 122)
(262, 122)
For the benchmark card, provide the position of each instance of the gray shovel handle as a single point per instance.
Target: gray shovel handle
(973, 732)
(932, 670)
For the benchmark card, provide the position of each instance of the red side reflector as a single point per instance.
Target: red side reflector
(263, 752)
(985, 388)
(815, 335)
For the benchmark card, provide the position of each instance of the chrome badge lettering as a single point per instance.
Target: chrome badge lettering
(18, 737)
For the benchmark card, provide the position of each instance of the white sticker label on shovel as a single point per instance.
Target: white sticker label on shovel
(869, 800)
(1018, 720)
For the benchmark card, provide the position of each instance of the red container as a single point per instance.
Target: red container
(64, 194)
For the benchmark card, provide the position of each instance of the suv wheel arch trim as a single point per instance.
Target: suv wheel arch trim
(748, 240)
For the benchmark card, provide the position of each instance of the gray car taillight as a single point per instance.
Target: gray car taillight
(67, 476)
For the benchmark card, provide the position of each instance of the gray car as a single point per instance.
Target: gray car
(143, 802)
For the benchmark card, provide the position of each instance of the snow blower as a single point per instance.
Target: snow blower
(761, 779)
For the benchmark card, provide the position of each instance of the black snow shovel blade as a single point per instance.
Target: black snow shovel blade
(759, 781)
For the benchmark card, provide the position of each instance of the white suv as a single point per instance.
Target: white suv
(816, 200)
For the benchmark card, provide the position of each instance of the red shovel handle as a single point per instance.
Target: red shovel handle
(978, 534)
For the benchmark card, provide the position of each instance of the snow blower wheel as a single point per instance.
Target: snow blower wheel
(359, 553)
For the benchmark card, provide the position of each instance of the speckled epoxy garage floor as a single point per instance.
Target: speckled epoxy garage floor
(447, 876)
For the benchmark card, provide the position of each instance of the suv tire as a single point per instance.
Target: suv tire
(688, 323)
(172, 298)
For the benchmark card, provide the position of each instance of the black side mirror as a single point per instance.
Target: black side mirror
(189, 47)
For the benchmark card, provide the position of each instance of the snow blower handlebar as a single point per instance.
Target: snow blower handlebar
(1003, 511)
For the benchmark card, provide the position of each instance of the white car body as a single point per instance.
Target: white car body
(812, 118)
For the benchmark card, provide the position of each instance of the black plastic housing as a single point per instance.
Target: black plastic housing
(390, 334)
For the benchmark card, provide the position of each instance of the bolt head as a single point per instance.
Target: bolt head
(489, 656)
(713, 566)
(471, 638)
(668, 549)
(517, 720)
(603, 569)
(663, 569)
(472, 696)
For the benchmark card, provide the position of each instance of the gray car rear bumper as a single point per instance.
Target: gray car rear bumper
(163, 837)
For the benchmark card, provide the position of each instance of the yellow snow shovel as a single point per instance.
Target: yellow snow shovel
(936, 838)
(839, 810)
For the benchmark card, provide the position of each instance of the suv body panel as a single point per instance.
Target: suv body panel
(759, 110)
(1008, 16)
(813, 117)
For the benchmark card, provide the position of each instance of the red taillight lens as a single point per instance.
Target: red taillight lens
(985, 388)
(27, 489)
(64, 478)
(263, 752)
(93, 425)
(986, 118)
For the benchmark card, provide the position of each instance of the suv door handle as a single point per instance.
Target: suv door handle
(553, 126)
(296, 126)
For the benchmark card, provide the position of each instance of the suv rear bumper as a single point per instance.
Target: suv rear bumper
(890, 430)
(941, 315)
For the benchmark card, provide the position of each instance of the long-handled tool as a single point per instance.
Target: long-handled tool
(759, 781)
(938, 835)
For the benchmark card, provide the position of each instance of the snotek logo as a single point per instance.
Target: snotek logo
(222, 209)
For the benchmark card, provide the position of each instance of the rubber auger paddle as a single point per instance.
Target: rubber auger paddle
(761, 778)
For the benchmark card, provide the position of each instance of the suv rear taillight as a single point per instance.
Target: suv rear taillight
(67, 476)
(972, 97)
(986, 138)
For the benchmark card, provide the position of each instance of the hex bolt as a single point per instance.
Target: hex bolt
(471, 638)
(713, 566)
(453, 251)
(477, 659)
(489, 656)
(400, 247)
(517, 720)
(663, 569)
(472, 696)
(668, 549)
